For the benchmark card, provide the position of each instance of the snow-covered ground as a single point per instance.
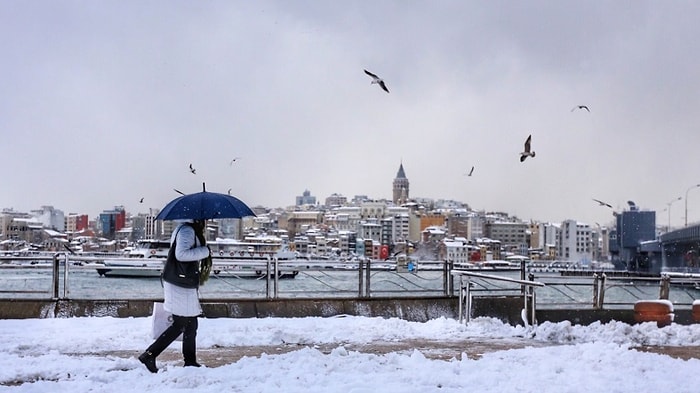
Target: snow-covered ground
(67, 355)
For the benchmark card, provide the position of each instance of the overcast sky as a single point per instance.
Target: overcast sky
(106, 102)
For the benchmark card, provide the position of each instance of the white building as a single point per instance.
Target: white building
(51, 218)
(457, 250)
(575, 244)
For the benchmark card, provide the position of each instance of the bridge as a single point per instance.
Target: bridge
(680, 249)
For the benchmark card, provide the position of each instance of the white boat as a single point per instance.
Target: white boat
(239, 259)
(146, 259)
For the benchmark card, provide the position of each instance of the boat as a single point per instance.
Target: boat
(248, 258)
(145, 259)
(239, 259)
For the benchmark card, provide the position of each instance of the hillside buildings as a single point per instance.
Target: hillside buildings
(375, 227)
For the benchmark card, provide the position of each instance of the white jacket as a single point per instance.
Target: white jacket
(184, 301)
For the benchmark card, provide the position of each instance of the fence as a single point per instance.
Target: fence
(63, 276)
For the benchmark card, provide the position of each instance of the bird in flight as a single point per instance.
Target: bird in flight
(470, 172)
(527, 152)
(194, 171)
(377, 80)
(141, 200)
(601, 203)
(580, 107)
(234, 160)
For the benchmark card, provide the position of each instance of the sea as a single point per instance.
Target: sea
(84, 282)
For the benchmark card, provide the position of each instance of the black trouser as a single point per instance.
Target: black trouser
(185, 325)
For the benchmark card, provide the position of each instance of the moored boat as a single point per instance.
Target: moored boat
(146, 259)
(238, 259)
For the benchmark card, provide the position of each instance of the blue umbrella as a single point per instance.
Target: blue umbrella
(204, 206)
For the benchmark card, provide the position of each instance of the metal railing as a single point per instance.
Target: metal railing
(527, 290)
(62, 276)
(68, 274)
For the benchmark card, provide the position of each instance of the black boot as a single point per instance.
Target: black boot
(168, 336)
(189, 341)
(149, 361)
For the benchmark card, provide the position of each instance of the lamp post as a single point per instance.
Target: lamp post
(686, 202)
(669, 212)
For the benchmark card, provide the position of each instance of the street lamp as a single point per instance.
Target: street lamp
(669, 211)
(686, 202)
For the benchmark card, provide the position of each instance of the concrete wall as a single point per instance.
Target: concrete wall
(420, 309)
(412, 309)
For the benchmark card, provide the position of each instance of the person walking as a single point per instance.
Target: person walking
(187, 246)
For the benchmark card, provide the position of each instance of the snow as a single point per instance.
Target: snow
(77, 355)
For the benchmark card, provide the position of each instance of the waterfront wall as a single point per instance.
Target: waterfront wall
(419, 309)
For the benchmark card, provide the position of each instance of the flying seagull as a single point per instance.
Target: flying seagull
(234, 160)
(141, 200)
(527, 151)
(580, 107)
(601, 203)
(377, 80)
(194, 172)
(229, 191)
(470, 172)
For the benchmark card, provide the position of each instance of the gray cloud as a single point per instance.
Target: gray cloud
(107, 102)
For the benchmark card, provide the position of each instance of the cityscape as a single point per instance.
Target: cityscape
(424, 228)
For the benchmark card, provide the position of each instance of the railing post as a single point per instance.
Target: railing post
(468, 299)
(368, 271)
(665, 287)
(596, 286)
(460, 308)
(55, 276)
(65, 276)
(601, 291)
(530, 295)
(450, 279)
(268, 269)
(446, 279)
(360, 266)
(522, 277)
(276, 278)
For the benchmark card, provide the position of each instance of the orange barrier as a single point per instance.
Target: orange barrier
(659, 311)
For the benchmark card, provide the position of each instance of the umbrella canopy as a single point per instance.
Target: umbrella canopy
(204, 206)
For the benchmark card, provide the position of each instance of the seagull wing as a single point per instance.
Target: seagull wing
(371, 74)
(586, 108)
(602, 203)
(471, 171)
(381, 83)
(527, 143)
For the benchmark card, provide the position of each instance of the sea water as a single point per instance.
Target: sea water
(84, 282)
